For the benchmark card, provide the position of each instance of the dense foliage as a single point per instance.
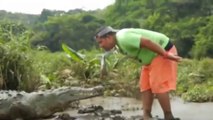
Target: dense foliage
(186, 22)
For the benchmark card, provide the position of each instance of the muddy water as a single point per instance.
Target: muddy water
(132, 107)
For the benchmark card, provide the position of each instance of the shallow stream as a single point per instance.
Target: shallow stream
(133, 107)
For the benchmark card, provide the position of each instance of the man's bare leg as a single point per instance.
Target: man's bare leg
(164, 101)
(147, 100)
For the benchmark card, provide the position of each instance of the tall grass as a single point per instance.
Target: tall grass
(15, 65)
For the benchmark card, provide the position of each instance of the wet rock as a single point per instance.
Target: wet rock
(100, 113)
(118, 118)
(137, 117)
(90, 109)
(64, 116)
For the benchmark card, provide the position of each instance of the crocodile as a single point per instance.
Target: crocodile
(20, 105)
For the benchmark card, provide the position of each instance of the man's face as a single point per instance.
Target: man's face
(107, 43)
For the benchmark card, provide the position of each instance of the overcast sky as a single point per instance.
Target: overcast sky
(36, 6)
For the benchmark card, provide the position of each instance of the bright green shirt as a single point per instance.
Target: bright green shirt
(128, 41)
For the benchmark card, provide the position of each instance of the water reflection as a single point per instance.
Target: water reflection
(131, 106)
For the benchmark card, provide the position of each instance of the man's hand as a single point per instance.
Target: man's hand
(173, 57)
(146, 43)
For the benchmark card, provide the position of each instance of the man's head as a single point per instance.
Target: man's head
(106, 37)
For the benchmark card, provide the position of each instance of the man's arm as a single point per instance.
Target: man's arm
(146, 43)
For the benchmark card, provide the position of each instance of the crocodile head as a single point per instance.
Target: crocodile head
(77, 93)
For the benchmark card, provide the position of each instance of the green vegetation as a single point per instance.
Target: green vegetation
(33, 56)
(195, 80)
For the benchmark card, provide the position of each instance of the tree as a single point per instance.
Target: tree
(76, 31)
(204, 41)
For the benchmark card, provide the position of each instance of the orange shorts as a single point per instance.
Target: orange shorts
(160, 75)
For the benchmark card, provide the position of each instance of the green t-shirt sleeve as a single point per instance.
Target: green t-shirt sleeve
(131, 40)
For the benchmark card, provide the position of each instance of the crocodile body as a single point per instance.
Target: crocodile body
(28, 106)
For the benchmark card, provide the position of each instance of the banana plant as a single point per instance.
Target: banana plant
(90, 65)
(75, 56)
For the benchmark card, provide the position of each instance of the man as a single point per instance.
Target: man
(158, 57)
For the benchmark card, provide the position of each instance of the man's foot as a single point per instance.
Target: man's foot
(169, 116)
(147, 118)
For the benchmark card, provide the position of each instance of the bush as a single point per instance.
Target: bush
(16, 70)
(195, 80)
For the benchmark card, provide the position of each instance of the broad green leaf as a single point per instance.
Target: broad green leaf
(72, 53)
